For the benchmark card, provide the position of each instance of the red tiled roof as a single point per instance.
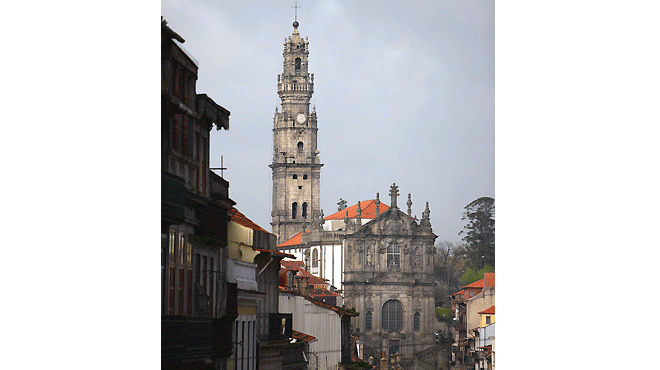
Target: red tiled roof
(368, 210)
(490, 278)
(313, 279)
(295, 240)
(293, 265)
(489, 311)
(239, 218)
(276, 253)
(490, 281)
(323, 293)
(303, 337)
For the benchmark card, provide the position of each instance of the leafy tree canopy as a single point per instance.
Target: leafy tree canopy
(470, 275)
(479, 233)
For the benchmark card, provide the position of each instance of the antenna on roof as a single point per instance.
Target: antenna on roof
(222, 168)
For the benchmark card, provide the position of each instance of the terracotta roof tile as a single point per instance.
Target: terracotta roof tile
(303, 337)
(295, 240)
(490, 281)
(489, 311)
(276, 253)
(368, 210)
(293, 264)
(323, 293)
(239, 218)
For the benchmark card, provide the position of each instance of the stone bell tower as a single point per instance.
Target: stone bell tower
(296, 165)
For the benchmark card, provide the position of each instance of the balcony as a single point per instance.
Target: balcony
(274, 326)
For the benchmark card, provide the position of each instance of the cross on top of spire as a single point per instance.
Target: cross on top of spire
(295, 19)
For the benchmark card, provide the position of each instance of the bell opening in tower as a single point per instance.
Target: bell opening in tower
(298, 64)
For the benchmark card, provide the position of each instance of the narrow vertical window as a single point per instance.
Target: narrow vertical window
(300, 146)
(294, 209)
(368, 320)
(298, 63)
(416, 319)
(304, 210)
(315, 258)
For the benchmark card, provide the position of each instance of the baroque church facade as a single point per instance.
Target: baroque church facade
(388, 278)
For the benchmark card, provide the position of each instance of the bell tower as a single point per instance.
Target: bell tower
(296, 165)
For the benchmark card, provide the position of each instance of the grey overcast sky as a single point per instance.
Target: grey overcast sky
(404, 92)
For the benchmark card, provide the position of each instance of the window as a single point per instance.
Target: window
(304, 207)
(315, 258)
(298, 63)
(392, 315)
(304, 177)
(394, 347)
(416, 318)
(179, 290)
(295, 177)
(487, 320)
(300, 146)
(294, 209)
(393, 255)
(368, 319)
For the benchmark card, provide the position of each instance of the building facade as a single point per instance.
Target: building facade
(296, 165)
(388, 278)
(322, 247)
(197, 306)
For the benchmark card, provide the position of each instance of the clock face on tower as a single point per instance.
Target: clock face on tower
(301, 118)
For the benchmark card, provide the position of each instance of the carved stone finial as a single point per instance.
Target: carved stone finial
(358, 219)
(426, 219)
(409, 203)
(278, 78)
(312, 77)
(377, 202)
(427, 212)
(394, 192)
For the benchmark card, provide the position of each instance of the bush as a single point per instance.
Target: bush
(443, 314)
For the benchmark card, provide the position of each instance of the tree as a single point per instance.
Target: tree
(479, 233)
(470, 275)
(449, 264)
(341, 204)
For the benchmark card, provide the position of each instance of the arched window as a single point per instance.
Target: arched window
(297, 64)
(304, 210)
(300, 146)
(315, 258)
(392, 315)
(416, 321)
(294, 209)
(368, 318)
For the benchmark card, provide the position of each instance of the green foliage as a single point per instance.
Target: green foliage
(443, 314)
(470, 275)
(479, 233)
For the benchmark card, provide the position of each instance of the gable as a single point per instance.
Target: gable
(394, 222)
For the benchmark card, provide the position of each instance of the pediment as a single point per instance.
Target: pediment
(393, 222)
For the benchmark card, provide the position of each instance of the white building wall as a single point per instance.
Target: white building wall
(319, 322)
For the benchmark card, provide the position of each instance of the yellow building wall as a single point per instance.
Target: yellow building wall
(483, 320)
(239, 242)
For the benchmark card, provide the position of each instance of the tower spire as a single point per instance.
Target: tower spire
(295, 19)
